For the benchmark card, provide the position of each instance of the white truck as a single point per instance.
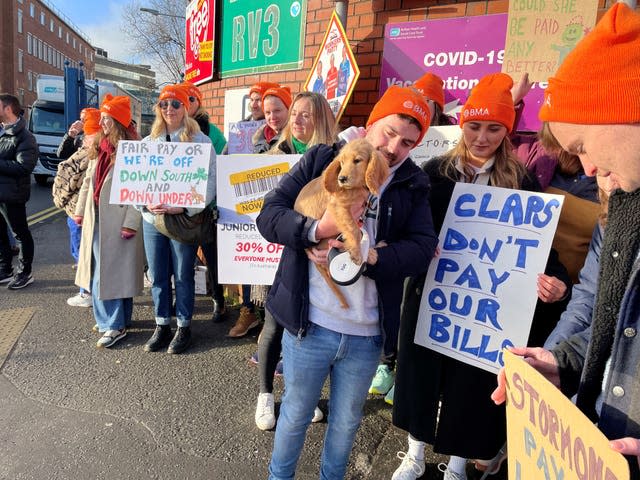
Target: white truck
(46, 118)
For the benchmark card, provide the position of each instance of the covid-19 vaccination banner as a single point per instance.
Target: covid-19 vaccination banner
(480, 291)
(548, 436)
(169, 173)
(244, 256)
(460, 51)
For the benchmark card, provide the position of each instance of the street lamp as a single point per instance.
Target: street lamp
(157, 13)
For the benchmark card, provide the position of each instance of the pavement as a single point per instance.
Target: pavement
(71, 411)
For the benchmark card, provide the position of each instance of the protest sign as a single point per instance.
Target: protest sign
(241, 135)
(436, 142)
(170, 173)
(244, 256)
(460, 51)
(480, 292)
(200, 34)
(335, 83)
(541, 34)
(548, 436)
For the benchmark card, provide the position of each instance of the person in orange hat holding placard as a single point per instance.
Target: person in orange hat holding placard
(593, 109)
(427, 400)
(321, 339)
(111, 258)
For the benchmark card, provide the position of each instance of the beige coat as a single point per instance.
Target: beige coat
(121, 261)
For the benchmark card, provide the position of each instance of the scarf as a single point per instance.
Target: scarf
(102, 168)
(298, 146)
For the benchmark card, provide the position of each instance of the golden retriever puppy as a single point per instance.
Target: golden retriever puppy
(355, 172)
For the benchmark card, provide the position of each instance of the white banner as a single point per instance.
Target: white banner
(241, 136)
(436, 142)
(244, 256)
(480, 292)
(169, 173)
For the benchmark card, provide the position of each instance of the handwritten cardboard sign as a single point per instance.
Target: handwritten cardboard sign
(244, 256)
(480, 292)
(437, 141)
(541, 33)
(171, 173)
(548, 436)
(240, 136)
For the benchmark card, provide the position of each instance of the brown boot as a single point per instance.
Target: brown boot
(246, 321)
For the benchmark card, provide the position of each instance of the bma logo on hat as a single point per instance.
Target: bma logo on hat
(475, 112)
(408, 104)
(547, 99)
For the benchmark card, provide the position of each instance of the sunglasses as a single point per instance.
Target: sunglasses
(164, 104)
(193, 99)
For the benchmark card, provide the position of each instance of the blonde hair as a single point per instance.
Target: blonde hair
(507, 171)
(159, 126)
(568, 163)
(324, 123)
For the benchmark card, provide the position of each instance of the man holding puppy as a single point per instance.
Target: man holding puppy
(322, 339)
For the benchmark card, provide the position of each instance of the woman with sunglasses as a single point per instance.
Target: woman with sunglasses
(111, 259)
(164, 255)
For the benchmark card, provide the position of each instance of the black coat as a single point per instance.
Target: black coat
(469, 424)
(404, 223)
(18, 157)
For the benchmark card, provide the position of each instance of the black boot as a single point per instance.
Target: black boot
(181, 340)
(218, 311)
(160, 338)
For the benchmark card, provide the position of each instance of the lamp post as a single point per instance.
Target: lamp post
(157, 13)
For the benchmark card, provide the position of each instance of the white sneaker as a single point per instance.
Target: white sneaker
(410, 468)
(317, 415)
(265, 414)
(110, 337)
(450, 474)
(80, 300)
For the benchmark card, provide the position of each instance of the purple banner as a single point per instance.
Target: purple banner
(460, 51)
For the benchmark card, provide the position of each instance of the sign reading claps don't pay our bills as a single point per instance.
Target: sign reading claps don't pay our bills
(170, 173)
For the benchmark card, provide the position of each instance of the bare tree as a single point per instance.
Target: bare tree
(158, 37)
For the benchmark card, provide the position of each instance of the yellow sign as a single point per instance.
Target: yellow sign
(548, 437)
(206, 51)
(253, 206)
(258, 174)
(540, 34)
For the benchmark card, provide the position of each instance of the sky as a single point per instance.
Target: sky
(102, 25)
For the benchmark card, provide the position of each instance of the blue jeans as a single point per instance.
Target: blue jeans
(75, 234)
(162, 254)
(114, 314)
(350, 361)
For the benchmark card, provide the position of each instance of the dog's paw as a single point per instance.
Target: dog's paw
(372, 256)
(356, 257)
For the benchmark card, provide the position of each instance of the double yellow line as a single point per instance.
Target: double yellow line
(43, 215)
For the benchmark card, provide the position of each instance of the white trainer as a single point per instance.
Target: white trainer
(410, 469)
(80, 300)
(265, 414)
(317, 415)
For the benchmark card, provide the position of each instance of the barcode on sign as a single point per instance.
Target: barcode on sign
(257, 186)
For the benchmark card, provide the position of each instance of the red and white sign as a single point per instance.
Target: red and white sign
(199, 41)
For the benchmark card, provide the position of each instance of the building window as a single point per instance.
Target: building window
(74, 43)
(19, 20)
(20, 60)
(41, 50)
(51, 25)
(21, 95)
(42, 19)
(30, 80)
(50, 55)
(67, 37)
(32, 10)
(29, 44)
(59, 32)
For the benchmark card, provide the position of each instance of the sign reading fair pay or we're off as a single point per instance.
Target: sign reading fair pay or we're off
(169, 173)
(480, 292)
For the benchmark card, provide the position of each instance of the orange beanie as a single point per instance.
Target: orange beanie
(91, 121)
(177, 92)
(262, 87)
(599, 81)
(431, 86)
(283, 93)
(118, 107)
(491, 101)
(192, 91)
(402, 101)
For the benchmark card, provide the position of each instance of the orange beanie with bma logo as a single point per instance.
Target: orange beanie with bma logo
(599, 81)
(402, 101)
(432, 87)
(490, 101)
(118, 107)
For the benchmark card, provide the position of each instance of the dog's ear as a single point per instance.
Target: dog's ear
(330, 176)
(377, 171)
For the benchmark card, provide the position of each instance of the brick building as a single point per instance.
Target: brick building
(366, 20)
(36, 38)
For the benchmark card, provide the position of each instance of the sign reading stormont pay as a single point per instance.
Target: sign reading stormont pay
(262, 36)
